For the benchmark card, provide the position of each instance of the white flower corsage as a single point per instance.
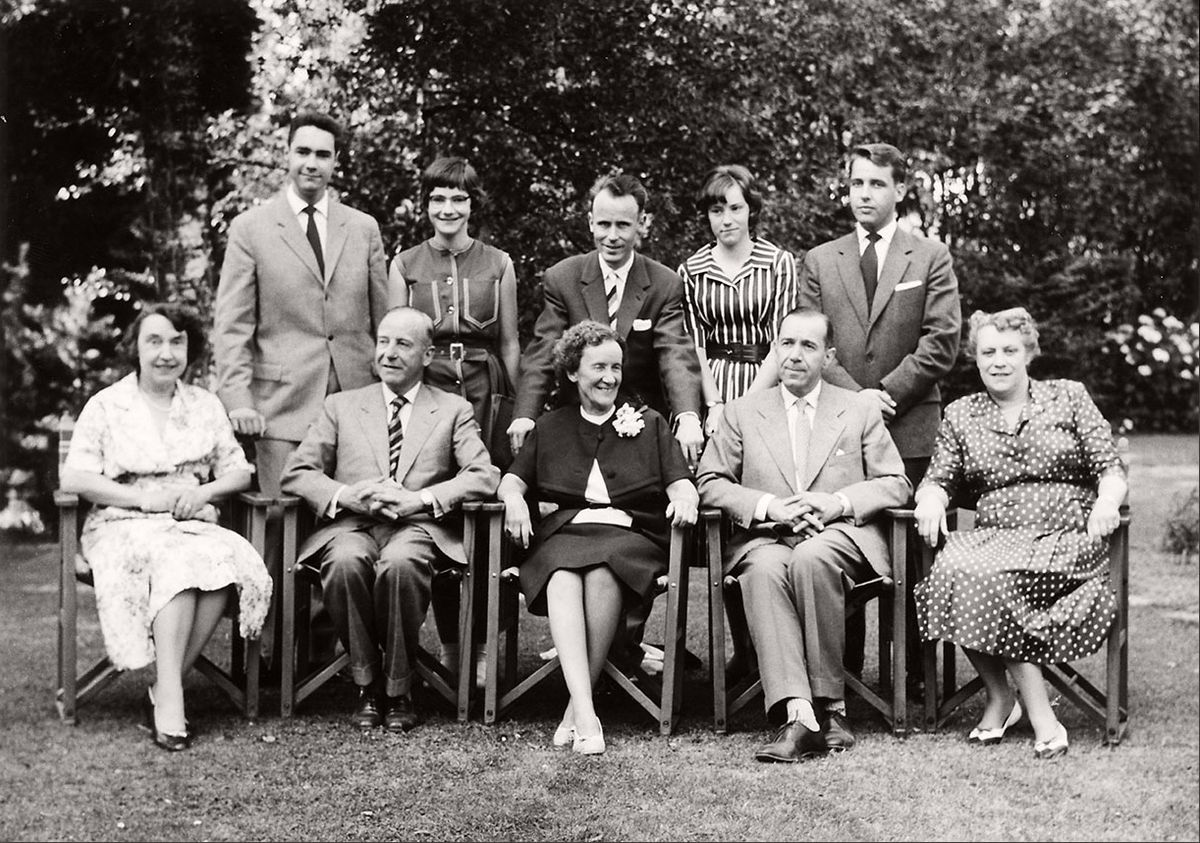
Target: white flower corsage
(629, 422)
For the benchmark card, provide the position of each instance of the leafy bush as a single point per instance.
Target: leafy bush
(1182, 533)
(1158, 373)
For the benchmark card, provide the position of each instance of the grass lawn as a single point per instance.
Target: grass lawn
(314, 777)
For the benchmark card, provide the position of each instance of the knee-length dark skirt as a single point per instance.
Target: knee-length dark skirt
(635, 560)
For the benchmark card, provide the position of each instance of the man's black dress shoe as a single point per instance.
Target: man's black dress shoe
(401, 714)
(835, 729)
(794, 742)
(366, 713)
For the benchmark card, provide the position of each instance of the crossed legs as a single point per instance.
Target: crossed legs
(181, 629)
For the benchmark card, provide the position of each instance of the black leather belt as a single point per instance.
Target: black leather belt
(461, 351)
(739, 352)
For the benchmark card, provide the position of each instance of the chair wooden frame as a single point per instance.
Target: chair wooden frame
(240, 682)
(1109, 708)
(298, 679)
(659, 696)
(892, 593)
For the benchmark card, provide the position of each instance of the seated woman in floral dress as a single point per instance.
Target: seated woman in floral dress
(151, 452)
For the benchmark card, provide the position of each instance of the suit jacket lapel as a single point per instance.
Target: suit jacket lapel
(375, 424)
(420, 425)
(898, 257)
(289, 230)
(827, 429)
(637, 286)
(592, 283)
(336, 233)
(850, 272)
(779, 446)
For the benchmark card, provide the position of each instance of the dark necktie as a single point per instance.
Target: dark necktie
(314, 239)
(870, 267)
(395, 436)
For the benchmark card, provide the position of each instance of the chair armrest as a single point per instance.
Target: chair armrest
(62, 499)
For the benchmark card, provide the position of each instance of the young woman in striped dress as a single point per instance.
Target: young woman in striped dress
(736, 288)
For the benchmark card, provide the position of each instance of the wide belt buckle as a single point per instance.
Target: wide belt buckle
(456, 351)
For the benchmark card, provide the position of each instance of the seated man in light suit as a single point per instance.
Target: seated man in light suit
(385, 467)
(802, 504)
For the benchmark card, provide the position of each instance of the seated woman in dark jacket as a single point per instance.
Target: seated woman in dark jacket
(618, 480)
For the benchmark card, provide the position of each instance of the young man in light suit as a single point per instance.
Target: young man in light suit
(300, 296)
(386, 467)
(642, 300)
(893, 299)
(821, 485)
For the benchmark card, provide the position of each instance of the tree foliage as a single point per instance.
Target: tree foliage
(1054, 145)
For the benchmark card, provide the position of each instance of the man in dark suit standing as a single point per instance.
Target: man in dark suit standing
(640, 298)
(816, 460)
(303, 287)
(385, 467)
(893, 300)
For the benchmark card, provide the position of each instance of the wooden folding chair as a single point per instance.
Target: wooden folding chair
(245, 513)
(299, 678)
(1109, 708)
(891, 700)
(659, 696)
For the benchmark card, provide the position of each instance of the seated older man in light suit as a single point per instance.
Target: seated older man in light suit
(802, 503)
(385, 467)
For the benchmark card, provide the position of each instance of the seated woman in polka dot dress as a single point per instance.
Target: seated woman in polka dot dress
(1029, 585)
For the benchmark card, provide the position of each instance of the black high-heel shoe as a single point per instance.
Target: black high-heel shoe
(170, 741)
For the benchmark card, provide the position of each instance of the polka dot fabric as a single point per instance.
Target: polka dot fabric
(1027, 583)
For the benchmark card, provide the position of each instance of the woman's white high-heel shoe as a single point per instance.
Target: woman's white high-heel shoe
(987, 737)
(589, 744)
(564, 736)
(1053, 748)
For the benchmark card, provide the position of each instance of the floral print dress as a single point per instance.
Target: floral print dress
(1027, 583)
(141, 560)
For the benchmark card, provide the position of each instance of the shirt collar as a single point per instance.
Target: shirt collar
(389, 396)
(811, 398)
(622, 272)
(298, 205)
(885, 234)
(598, 420)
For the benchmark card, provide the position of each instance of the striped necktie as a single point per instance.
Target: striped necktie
(395, 436)
(613, 294)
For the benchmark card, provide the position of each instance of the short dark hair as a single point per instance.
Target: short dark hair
(881, 155)
(717, 183)
(568, 351)
(455, 173)
(321, 121)
(804, 310)
(620, 184)
(183, 317)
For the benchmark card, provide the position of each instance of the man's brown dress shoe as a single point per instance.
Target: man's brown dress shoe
(366, 713)
(401, 714)
(794, 742)
(835, 729)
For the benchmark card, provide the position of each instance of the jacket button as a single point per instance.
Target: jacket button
(330, 338)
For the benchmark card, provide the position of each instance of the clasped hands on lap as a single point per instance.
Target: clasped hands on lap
(383, 498)
(805, 513)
